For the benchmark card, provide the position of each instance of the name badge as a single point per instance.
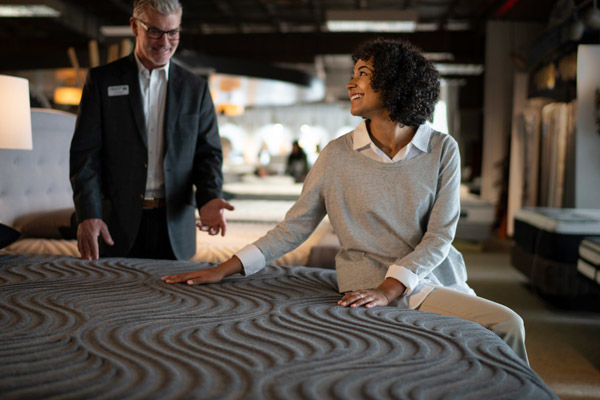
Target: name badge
(121, 90)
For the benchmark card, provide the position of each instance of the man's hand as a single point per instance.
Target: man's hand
(212, 219)
(87, 237)
(209, 275)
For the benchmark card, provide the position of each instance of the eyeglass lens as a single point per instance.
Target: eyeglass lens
(156, 33)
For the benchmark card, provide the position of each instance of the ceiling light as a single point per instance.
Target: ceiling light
(439, 56)
(459, 69)
(371, 20)
(27, 11)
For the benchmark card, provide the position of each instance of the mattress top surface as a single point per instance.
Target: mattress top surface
(112, 329)
(574, 221)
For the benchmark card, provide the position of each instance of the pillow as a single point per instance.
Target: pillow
(7, 235)
(56, 224)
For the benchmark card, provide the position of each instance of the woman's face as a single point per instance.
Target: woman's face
(364, 101)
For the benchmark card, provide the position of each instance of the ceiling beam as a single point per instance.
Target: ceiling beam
(302, 47)
(76, 18)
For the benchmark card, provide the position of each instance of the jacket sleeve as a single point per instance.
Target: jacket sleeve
(86, 146)
(208, 158)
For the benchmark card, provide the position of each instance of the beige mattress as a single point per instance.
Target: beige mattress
(213, 249)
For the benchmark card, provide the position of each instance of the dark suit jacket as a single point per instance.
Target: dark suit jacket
(109, 157)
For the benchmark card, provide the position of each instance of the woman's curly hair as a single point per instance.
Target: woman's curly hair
(409, 84)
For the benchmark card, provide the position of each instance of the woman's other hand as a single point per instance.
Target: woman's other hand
(364, 297)
(380, 296)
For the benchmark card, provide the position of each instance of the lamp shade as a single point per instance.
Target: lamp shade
(15, 114)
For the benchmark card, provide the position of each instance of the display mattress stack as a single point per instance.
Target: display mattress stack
(589, 258)
(546, 248)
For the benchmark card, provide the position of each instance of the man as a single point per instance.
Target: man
(146, 134)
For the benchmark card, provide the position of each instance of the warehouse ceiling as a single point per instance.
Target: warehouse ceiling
(274, 32)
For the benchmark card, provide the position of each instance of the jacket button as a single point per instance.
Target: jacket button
(142, 196)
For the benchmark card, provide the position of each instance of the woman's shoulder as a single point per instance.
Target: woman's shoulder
(443, 141)
(339, 143)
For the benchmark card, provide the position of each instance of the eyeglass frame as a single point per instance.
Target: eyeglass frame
(155, 30)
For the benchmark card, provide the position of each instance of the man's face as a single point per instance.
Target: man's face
(152, 52)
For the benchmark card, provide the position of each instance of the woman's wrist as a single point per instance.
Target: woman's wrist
(230, 267)
(392, 288)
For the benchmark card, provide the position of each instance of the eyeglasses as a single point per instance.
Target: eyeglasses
(157, 34)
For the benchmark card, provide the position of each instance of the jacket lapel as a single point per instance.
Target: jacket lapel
(135, 97)
(174, 90)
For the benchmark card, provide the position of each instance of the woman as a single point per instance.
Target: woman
(391, 191)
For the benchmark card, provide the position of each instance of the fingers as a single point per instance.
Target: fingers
(212, 229)
(210, 275)
(367, 298)
(106, 235)
(178, 278)
(228, 206)
(93, 249)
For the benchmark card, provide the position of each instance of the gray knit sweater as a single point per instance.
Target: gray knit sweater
(403, 213)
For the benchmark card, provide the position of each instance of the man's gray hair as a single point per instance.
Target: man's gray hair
(165, 7)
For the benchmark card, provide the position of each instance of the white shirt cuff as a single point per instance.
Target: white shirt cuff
(404, 276)
(252, 259)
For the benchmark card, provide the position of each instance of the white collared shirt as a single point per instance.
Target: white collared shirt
(253, 259)
(153, 85)
(361, 142)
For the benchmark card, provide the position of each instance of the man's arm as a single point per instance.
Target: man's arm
(208, 177)
(85, 173)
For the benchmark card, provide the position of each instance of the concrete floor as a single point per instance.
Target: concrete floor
(563, 344)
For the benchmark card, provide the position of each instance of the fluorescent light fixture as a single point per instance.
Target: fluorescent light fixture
(451, 25)
(116, 30)
(440, 56)
(459, 69)
(371, 20)
(27, 11)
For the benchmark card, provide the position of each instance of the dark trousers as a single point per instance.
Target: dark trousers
(152, 240)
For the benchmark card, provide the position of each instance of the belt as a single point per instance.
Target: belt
(154, 203)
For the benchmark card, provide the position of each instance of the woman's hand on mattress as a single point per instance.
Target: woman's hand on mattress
(380, 296)
(209, 275)
(364, 297)
(212, 218)
(87, 237)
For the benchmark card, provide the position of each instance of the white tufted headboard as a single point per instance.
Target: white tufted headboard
(38, 180)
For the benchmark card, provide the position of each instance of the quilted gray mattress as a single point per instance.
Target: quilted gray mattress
(110, 329)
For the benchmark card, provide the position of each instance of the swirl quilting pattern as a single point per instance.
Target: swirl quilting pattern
(110, 329)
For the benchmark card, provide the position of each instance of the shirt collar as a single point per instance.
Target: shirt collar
(146, 72)
(361, 139)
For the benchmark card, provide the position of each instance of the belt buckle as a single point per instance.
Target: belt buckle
(152, 202)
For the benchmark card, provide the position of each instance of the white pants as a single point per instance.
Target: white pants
(498, 318)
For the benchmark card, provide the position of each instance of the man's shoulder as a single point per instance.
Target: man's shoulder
(184, 73)
(122, 64)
